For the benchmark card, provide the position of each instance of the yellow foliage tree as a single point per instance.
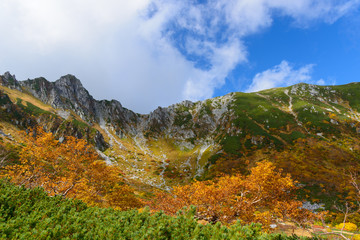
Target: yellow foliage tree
(263, 196)
(346, 226)
(70, 169)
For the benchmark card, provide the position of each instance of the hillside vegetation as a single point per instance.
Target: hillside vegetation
(293, 127)
(31, 214)
(254, 157)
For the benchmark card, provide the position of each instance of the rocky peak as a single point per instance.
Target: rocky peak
(8, 76)
(68, 93)
(70, 86)
(74, 95)
(9, 81)
(158, 120)
(69, 79)
(114, 113)
(186, 103)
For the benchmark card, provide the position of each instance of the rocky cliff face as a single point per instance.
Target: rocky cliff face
(9, 81)
(68, 93)
(186, 120)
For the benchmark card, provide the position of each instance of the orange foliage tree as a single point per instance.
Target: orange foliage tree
(263, 196)
(70, 169)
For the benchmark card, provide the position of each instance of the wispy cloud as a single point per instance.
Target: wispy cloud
(280, 75)
(201, 85)
(144, 53)
(320, 82)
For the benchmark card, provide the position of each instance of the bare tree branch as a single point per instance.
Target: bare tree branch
(335, 233)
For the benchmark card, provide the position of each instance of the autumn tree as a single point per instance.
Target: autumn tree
(347, 208)
(265, 195)
(3, 155)
(103, 185)
(72, 169)
(8, 153)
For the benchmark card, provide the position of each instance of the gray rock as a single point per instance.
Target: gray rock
(184, 121)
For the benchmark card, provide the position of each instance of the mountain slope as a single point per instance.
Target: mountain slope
(292, 126)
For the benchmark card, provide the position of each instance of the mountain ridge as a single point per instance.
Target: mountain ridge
(190, 140)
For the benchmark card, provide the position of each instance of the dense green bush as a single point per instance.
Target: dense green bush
(232, 144)
(31, 214)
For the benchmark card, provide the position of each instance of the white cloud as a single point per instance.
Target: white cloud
(280, 75)
(320, 82)
(47, 24)
(201, 84)
(144, 53)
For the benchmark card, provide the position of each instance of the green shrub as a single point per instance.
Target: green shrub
(232, 144)
(31, 214)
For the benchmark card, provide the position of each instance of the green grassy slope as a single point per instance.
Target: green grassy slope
(310, 131)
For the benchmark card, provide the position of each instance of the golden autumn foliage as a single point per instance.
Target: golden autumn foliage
(265, 195)
(346, 226)
(70, 169)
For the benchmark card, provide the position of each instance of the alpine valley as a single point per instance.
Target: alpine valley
(310, 131)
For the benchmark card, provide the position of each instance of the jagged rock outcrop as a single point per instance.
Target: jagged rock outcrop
(68, 93)
(10, 81)
(185, 120)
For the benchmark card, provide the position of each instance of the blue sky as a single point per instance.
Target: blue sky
(333, 49)
(149, 53)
